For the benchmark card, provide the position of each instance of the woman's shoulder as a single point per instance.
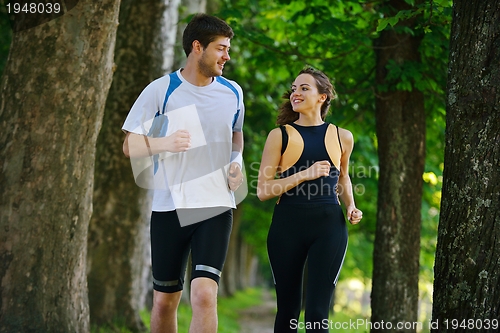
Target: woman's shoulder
(344, 134)
(274, 136)
(275, 132)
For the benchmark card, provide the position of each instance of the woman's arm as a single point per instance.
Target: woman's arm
(354, 215)
(267, 185)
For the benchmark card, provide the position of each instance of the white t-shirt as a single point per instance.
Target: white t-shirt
(196, 178)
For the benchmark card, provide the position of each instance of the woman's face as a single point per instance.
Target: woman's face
(305, 95)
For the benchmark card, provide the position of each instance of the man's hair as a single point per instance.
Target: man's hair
(205, 29)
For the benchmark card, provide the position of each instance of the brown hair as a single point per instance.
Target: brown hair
(205, 29)
(286, 114)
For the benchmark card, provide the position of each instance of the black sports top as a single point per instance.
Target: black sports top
(302, 147)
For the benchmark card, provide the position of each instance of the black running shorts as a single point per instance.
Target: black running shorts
(170, 245)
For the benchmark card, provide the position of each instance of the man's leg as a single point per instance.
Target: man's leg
(208, 249)
(169, 252)
(204, 305)
(164, 313)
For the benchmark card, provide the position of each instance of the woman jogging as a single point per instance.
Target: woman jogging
(311, 158)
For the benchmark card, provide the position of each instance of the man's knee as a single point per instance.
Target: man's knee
(166, 302)
(203, 293)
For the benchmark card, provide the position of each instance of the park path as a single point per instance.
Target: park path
(259, 318)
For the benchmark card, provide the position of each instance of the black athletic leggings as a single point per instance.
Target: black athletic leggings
(318, 233)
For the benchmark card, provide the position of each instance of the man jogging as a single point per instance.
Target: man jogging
(188, 126)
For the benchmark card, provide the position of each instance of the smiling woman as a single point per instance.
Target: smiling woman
(311, 158)
(320, 82)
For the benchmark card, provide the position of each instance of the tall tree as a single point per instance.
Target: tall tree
(186, 8)
(53, 92)
(5, 39)
(467, 280)
(400, 118)
(118, 244)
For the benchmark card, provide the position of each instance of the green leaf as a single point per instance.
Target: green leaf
(382, 23)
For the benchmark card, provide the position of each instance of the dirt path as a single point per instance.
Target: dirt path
(260, 318)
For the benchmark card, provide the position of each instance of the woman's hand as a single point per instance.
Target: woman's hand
(318, 169)
(354, 215)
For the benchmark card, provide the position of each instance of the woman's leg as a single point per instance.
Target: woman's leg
(287, 255)
(325, 259)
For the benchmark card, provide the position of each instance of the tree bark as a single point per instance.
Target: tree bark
(400, 119)
(240, 269)
(53, 93)
(187, 8)
(467, 283)
(231, 278)
(119, 249)
(178, 59)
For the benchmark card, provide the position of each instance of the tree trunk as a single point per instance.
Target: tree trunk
(230, 277)
(188, 7)
(52, 100)
(400, 121)
(467, 280)
(249, 267)
(119, 249)
(241, 268)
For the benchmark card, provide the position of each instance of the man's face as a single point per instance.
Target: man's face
(214, 56)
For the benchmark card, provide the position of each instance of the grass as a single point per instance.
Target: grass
(229, 308)
(228, 313)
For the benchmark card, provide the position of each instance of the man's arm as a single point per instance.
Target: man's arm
(238, 142)
(136, 145)
(235, 176)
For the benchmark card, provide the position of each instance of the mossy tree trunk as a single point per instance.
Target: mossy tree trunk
(119, 248)
(400, 118)
(467, 280)
(53, 93)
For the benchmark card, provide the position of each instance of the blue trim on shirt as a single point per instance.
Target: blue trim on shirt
(226, 83)
(175, 82)
(160, 121)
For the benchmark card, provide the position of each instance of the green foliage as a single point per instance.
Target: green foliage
(433, 12)
(275, 39)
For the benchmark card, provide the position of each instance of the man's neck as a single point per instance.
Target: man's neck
(193, 76)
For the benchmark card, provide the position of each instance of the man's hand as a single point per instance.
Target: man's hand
(178, 142)
(234, 177)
